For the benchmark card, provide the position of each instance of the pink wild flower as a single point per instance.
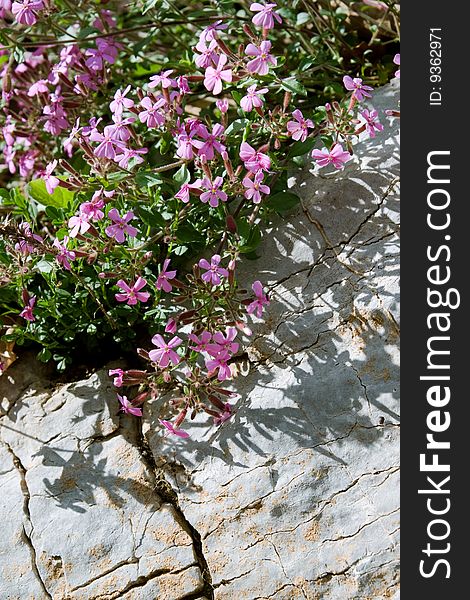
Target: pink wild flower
(120, 101)
(214, 76)
(128, 408)
(49, 179)
(172, 429)
(213, 271)
(299, 128)
(260, 64)
(219, 363)
(25, 12)
(201, 342)
(165, 353)
(254, 160)
(224, 342)
(372, 122)
(120, 226)
(266, 15)
(118, 375)
(162, 280)
(214, 192)
(151, 115)
(27, 312)
(253, 98)
(262, 300)
(132, 293)
(162, 79)
(210, 142)
(79, 224)
(64, 256)
(336, 156)
(255, 188)
(359, 90)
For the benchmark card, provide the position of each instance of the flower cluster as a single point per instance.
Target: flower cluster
(119, 173)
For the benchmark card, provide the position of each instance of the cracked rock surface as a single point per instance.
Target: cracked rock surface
(296, 496)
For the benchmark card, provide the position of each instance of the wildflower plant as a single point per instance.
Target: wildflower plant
(144, 146)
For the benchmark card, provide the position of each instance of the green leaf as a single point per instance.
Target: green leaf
(236, 125)
(283, 201)
(151, 216)
(292, 85)
(187, 233)
(147, 179)
(301, 148)
(60, 198)
(44, 356)
(182, 175)
(253, 240)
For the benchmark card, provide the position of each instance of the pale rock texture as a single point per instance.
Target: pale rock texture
(296, 496)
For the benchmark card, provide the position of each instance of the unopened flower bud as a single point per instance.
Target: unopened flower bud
(231, 224)
(286, 101)
(171, 326)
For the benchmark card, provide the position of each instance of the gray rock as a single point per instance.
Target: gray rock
(83, 517)
(296, 496)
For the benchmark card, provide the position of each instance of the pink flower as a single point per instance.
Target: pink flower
(224, 416)
(173, 430)
(210, 142)
(224, 342)
(120, 129)
(120, 101)
(214, 193)
(336, 156)
(108, 144)
(121, 226)
(255, 188)
(220, 362)
(171, 326)
(49, 179)
(252, 98)
(372, 122)
(210, 32)
(39, 87)
(222, 105)
(106, 51)
(183, 193)
(299, 128)
(213, 77)
(27, 312)
(201, 342)
(208, 55)
(25, 12)
(132, 292)
(263, 59)
(119, 373)
(128, 154)
(162, 280)
(360, 91)
(213, 271)
(151, 116)
(254, 160)
(24, 246)
(128, 408)
(162, 79)
(257, 306)
(79, 224)
(185, 146)
(64, 256)
(266, 15)
(396, 60)
(165, 351)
